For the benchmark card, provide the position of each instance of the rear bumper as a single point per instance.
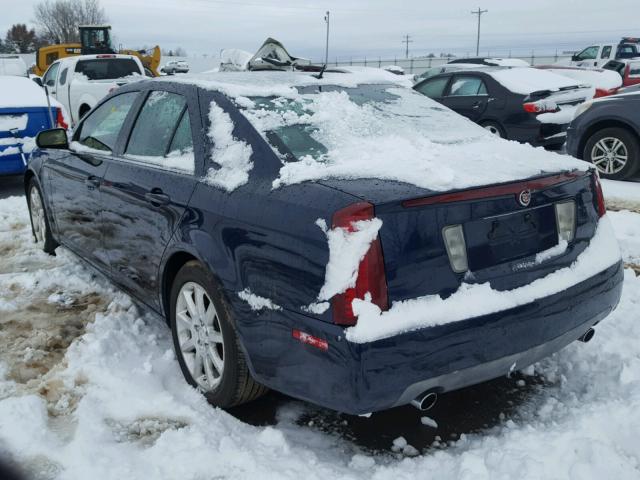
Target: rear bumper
(538, 134)
(361, 378)
(12, 164)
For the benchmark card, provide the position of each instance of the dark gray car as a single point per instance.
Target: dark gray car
(606, 132)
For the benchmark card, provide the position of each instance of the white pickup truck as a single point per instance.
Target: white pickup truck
(598, 55)
(80, 82)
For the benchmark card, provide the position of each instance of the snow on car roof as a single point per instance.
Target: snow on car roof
(16, 92)
(380, 130)
(526, 80)
(281, 83)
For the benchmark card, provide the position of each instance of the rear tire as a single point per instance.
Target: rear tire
(494, 128)
(615, 152)
(39, 222)
(205, 341)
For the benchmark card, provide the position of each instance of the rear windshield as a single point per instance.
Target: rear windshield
(317, 120)
(107, 68)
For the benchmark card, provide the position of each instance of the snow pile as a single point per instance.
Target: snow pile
(474, 300)
(130, 415)
(621, 195)
(233, 156)
(257, 302)
(347, 248)
(627, 227)
(562, 117)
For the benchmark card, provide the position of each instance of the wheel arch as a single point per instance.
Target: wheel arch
(172, 266)
(601, 125)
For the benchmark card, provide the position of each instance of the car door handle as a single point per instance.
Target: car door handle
(92, 182)
(157, 198)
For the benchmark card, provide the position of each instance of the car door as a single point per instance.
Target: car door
(148, 186)
(76, 178)
(467, 95)
(587, 57)
(50, 79)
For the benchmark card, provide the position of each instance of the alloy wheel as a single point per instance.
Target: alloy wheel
(609, 155)
(200, 336)
(37, 215)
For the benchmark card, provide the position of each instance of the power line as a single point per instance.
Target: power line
(407, 40)
(479, 12)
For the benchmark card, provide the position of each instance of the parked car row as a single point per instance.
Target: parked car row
(316, 233)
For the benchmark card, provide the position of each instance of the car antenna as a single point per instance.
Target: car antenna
(321, 72)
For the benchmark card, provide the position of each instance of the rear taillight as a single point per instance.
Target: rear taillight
(536, 108)
(597, 186)
(60, 120)
(371, 275)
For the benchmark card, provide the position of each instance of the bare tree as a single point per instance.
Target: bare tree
(58, 20)
(20, 39)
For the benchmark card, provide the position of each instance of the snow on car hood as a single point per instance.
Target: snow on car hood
(367, 125)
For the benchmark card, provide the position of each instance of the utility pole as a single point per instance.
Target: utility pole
(407, 40)
(478, 12)
(326, 50)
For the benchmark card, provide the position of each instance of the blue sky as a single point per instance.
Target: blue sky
(360, 28)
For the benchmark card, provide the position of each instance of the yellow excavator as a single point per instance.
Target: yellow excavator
(94, 40)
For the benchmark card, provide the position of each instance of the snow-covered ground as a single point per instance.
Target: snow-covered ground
(90, 389)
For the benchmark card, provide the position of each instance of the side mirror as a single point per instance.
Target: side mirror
(37, 80)
(575, 58)
(54, 138)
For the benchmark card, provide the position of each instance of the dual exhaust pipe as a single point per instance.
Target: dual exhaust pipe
(426, 400)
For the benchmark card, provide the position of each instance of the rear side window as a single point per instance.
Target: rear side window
(161, 135)
(433, 88)
(606, 52)
(63, 76)
(101, 128)
(107, 68)
(466, 86)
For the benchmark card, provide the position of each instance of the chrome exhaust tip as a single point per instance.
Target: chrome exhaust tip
(425, 401)
(587, 336)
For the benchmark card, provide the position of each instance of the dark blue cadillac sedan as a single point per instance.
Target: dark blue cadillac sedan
(340, 239)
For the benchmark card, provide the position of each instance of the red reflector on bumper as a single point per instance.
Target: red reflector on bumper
(310, 340)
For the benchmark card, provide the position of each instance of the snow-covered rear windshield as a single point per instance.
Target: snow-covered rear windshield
(301, 127)
(107, 68)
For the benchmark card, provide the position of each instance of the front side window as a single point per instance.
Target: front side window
(589, 53)
(433, 88)
(161, 135)
(50, 76)
(467, 86)
(101, 128)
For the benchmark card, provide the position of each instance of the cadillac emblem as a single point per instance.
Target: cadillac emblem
(524, 198)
